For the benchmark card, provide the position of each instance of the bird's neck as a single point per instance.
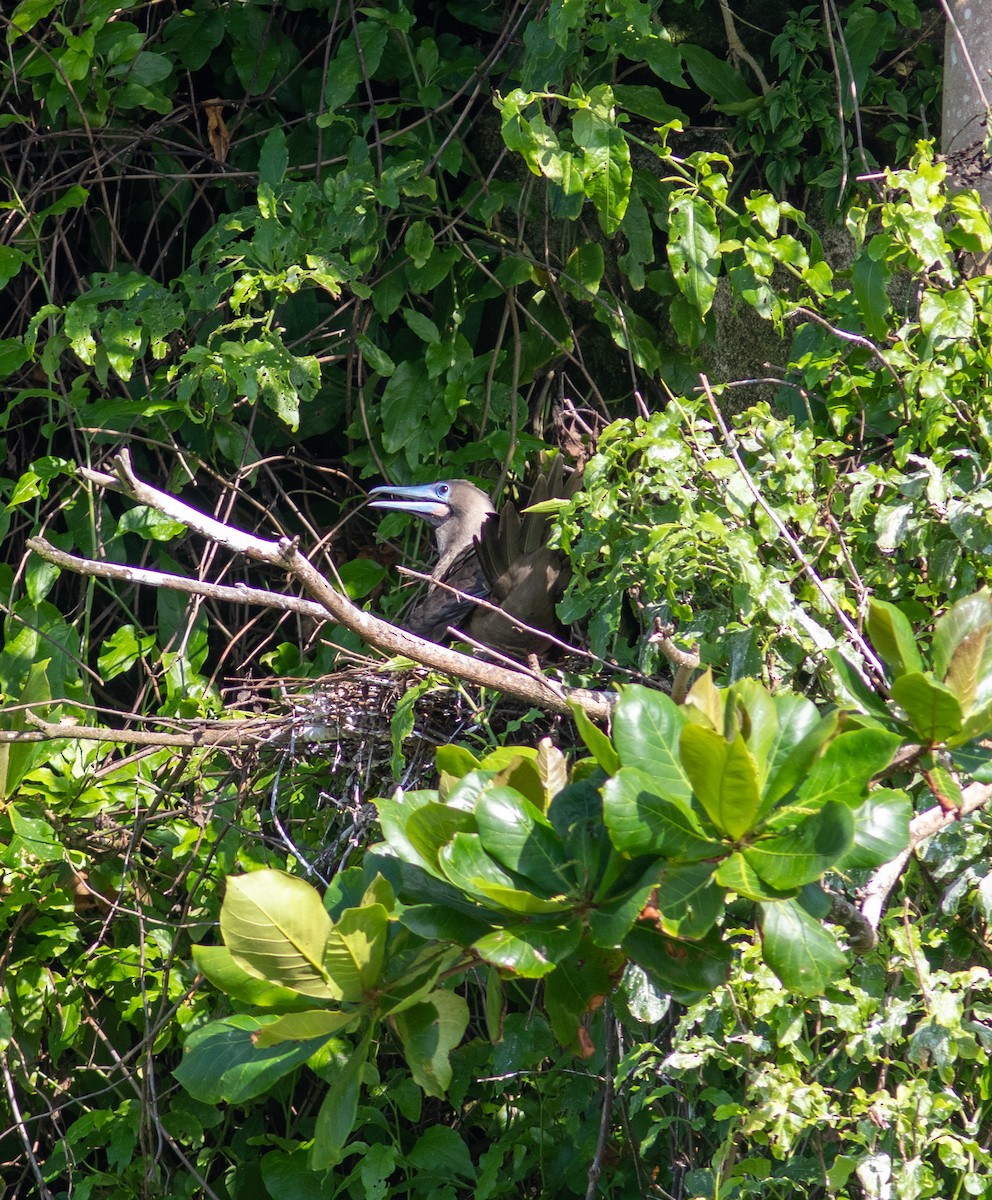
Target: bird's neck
(455, 537)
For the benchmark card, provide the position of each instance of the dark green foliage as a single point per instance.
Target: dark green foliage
(279, 250)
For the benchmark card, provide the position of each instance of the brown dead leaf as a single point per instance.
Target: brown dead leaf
(220, 139)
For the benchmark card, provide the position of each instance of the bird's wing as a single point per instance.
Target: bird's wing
(525, 577)
(439, 609)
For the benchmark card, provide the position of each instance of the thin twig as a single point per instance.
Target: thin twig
(730, 441)
(609, 1087)
(237, 593)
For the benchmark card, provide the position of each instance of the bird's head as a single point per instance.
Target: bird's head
(456, 508)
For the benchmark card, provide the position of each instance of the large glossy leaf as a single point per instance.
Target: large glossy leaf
(275, 927)
(851, 688)
(605, 164)
(432, 826)
(596, 742)
(646, 728)
(846, 767)
(962, 646)
(685, 970)
(222, 1062)
(800, 855)
(530, 951)
(933, 709)
(611, 918)
(724, 778)
(756, 712)
(893, 637)
(803, 954)
(689, 900)
(394, 812)
(439, 922)
(355, 949)
(336, 1116)
(522, 839)
(429, 1032)
(415, 974)
(577, 814)
(306, 1026)
(800, 735)
(881, 829)
(640, 821)
(216, 963)
(737, 875)
(472, 870)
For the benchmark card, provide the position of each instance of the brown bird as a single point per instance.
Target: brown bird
(502, 558)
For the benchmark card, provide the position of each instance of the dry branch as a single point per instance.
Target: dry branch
(285, 555)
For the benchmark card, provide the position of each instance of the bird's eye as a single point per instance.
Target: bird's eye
(443, 489)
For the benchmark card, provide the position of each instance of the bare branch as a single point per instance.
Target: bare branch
(237, 593)
(921, 828)
(373, 630)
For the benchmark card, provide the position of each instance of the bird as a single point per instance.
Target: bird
(503, 558)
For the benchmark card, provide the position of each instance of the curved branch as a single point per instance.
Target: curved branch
(373, 630)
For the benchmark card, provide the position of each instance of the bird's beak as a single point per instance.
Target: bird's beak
(420, 499)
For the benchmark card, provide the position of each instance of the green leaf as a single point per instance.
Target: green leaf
(222, 1062)
(689, 900)
(273, 158)
(18, 758)
(847, 766)
(522, 839)
(583, 270)
(336, 1116)
(530, 952)
(605, 164)
(441, 1153)
(933, 709)
(429, 1032)
(640, 821)
(275, 927)
(305, 1026)
(803, 954)
(577, 987)
(354, 951)
(596, 742)
(432, 826)
(724, 778)
(646, 729)
(737, 875)
(870, 278)
(219, 967)
(693, 242)
(470, 869)
(685, 970)
(418, 242)
(800, 855)
(962, 649)
(394, 813)
(800, 735)
(122, 650)
(715, 77)
(34, 840)
(893, 637)
(881, 830)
